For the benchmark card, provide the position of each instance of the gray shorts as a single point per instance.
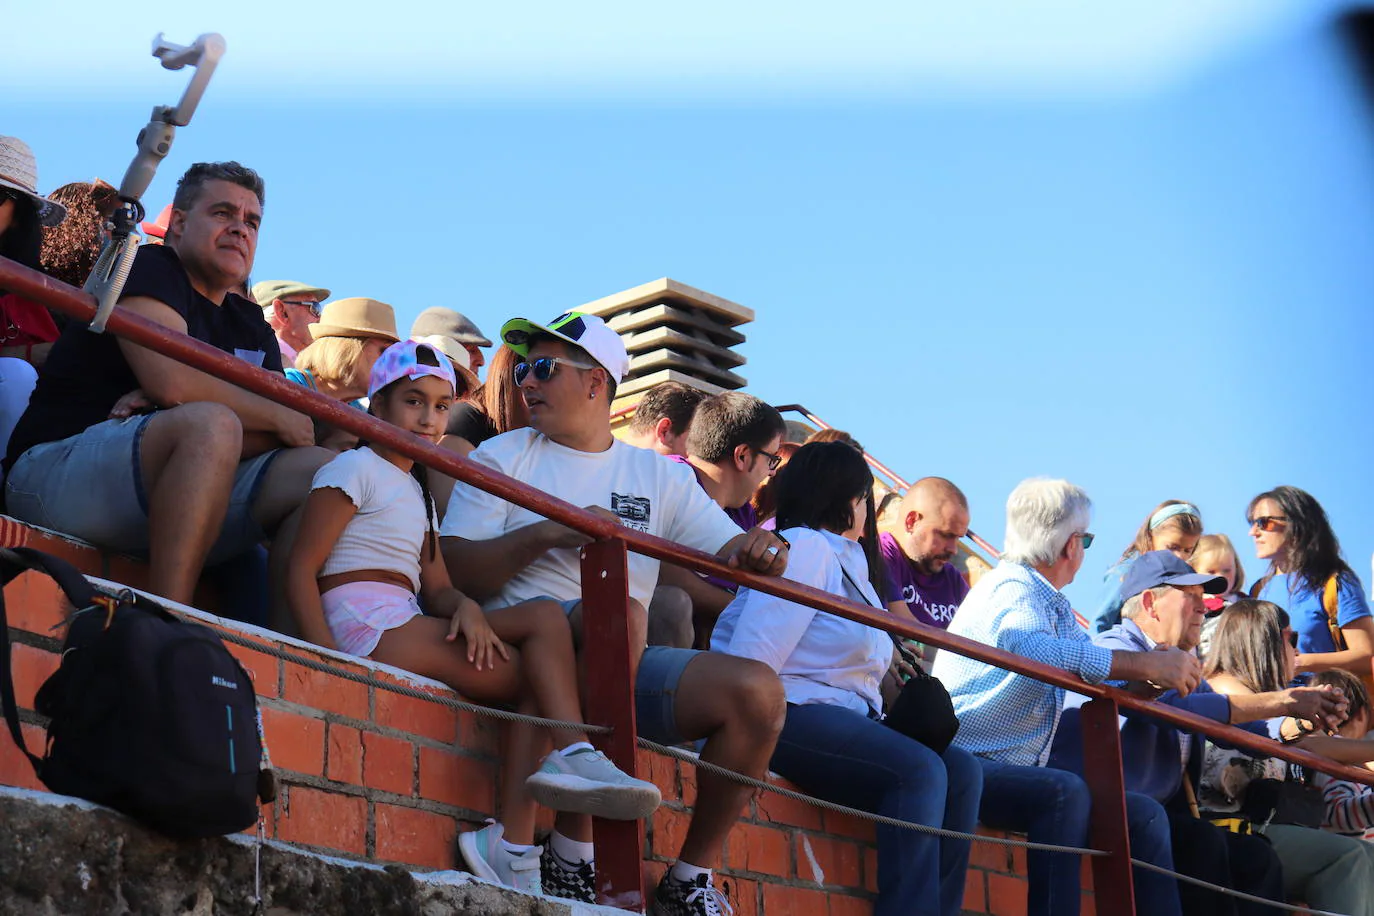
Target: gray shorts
(660, 670)
(90, 486)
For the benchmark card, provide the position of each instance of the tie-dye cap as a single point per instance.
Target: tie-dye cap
(399, 361)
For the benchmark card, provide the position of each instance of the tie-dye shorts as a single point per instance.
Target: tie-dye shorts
(360, 612)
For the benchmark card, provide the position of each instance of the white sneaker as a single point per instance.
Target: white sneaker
(485, 857)
(587, 783)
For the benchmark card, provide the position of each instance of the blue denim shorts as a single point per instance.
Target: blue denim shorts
(90, 486)
(660, 670)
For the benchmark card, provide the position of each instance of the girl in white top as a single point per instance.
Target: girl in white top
(366, 577)
(832, 742)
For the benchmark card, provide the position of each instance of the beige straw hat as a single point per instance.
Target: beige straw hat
(356, 317)
(19, 172)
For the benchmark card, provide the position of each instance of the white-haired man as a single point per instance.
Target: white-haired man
(1008, 720)
(290, 307)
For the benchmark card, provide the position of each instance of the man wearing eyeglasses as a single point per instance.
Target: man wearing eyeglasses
(1008, 721)
(732, 446)
(290, 307)
(498, 552)
(1163, 607)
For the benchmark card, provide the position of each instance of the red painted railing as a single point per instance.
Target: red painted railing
(610, 699)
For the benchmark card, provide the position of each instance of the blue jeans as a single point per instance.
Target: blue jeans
(1052, 806)
(846, 757)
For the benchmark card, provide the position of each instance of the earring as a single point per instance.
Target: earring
(591, 395)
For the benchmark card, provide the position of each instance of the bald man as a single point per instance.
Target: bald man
(932, 518)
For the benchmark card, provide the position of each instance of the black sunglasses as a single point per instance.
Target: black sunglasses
(544, 367)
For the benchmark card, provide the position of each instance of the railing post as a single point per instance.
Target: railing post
(1113, 891)
(609, 700)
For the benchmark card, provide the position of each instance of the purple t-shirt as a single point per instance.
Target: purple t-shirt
(930, 599)
(745, 516)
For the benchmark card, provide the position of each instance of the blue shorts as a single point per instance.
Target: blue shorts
(90, 486)
(660, 671)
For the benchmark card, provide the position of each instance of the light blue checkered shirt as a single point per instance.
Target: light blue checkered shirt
(1006, 716)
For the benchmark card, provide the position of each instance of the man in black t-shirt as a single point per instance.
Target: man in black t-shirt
(213, 469)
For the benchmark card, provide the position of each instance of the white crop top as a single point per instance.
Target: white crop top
(389, 530)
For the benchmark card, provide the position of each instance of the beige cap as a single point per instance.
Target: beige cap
(356, 317)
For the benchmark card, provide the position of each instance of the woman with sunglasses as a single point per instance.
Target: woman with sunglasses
(832, 742)
(1308, 577)
(1254, 650)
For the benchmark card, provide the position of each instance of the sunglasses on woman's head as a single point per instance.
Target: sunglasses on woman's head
(543, 368)
(1269, 522)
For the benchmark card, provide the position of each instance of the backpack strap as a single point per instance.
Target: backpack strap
(1331, 604)
(12, 563)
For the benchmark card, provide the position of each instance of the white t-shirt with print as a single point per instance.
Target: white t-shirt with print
(647, 491)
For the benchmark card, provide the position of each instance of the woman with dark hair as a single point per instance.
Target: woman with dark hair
(1308, 577)
(833, 742)
(1254, 650)
(1175, 526)
(496, 407)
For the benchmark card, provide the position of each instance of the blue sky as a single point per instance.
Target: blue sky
(1116, 243)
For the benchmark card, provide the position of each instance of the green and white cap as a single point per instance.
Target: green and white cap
(588, 332)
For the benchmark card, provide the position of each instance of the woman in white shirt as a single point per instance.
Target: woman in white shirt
(833, 743)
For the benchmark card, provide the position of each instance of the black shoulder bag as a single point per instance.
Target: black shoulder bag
(923, 710)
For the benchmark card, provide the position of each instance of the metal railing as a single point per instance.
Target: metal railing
(610, 698)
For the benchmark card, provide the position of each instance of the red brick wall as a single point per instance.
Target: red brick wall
(368, 773)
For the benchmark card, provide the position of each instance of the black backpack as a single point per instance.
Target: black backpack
(150, 715)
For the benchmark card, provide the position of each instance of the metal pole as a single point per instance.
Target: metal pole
(1113, 891)
(611, 662)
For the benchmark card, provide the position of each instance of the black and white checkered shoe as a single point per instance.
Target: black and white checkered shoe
(569, 880)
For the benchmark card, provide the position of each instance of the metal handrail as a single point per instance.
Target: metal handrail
(609, 534)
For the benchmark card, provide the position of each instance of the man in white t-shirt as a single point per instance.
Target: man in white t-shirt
(500, 554)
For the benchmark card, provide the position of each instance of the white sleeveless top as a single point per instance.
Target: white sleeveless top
(389, 530)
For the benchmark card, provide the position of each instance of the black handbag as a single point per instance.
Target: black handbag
(923, 710)
(1282, 801)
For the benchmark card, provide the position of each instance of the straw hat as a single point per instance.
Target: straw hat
(19, 172)
(356, 317)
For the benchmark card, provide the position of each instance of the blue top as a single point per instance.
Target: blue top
(1151, 750)
(1306, 612)
(1002, 715)
(1107, 612)
(305, 379)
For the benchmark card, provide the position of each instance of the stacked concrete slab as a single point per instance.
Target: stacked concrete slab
(675, 332)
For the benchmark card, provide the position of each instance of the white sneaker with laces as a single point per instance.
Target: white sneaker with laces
(587, 783)
(688, 898)
(485, 857)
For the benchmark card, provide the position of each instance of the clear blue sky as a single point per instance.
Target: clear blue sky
(1120, 244)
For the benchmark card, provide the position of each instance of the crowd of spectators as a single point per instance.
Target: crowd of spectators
(367, 553)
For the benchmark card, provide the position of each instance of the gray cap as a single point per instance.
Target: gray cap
(441, 322)
(268, 291)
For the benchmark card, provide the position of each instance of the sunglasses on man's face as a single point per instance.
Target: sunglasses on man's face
(1269, 522)
(544, 367)
(310, 304)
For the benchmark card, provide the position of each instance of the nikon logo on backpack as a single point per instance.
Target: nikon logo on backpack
(135, 723)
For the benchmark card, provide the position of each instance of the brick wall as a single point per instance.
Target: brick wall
(370, 774)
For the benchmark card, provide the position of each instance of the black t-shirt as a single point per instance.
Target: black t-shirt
(86, 373)
(468, 421)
